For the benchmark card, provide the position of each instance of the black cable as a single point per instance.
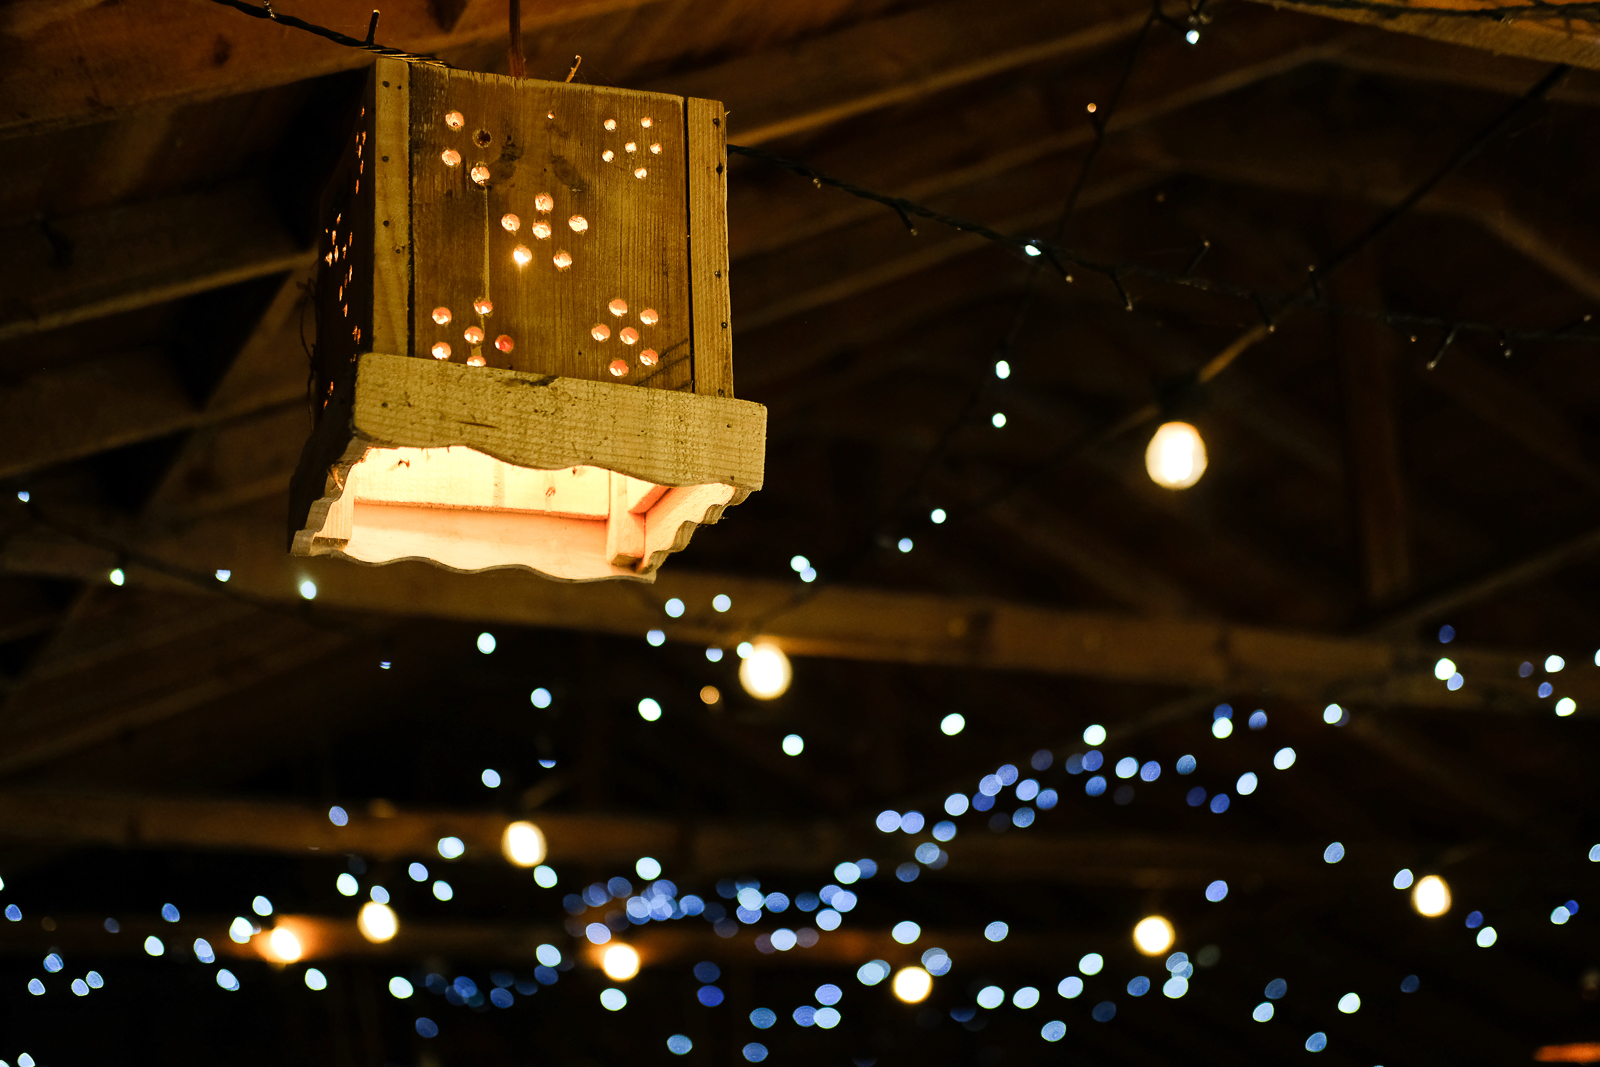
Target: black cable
(264, 11)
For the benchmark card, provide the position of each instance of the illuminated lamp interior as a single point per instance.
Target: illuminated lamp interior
(468, 511)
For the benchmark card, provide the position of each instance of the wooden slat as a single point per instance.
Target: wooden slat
(134, 256)
(389, 91)
(1368, 359)
(1546, 37)
(707, 136)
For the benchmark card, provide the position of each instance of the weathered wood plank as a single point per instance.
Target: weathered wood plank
(707, 134)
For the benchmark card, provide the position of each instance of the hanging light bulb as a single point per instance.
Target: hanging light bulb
(765, 672)
(523, 844)
(284, 946)
(912, 985)
(620, 962)
(377, 922)
(1431, 896)
(1176, 457)
(1154, 935)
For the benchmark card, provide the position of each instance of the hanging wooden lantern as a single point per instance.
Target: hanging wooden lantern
(523, 351)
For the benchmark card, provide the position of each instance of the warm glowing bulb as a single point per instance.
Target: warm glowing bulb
(504, 343)
(523, 844)
(441, 350)
(578, 223)
(451, 157)
(377, 922)
(620, 962)
(480, 174)
(284, 945)
(765, 673)
(510, 222)
(544, 202)
(912, 984)
(522, 255)
(1176, 457)
(473, 335)
(562, 260)
(1153, 936)
(441, 315)
(1431, 896)
(483, 306)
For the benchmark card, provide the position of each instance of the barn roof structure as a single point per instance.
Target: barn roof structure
(1355, 244)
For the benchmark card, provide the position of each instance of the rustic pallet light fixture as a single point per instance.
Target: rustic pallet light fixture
(523, 350)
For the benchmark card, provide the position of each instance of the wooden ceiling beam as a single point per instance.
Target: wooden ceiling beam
(707, 848)
(1420, 59)
(956, 144)
(1544, 36)
(65, 271)
(831, 621)
(72, 64)
(892, 60)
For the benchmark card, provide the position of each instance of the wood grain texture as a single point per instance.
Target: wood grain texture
(708, 246)
(549, 422)
(389, 91)
(552, 162)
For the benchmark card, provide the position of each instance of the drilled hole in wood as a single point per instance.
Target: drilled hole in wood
(473, 335)
(630, 147)
(629, 335)
(451, 157)
(600, 331)
(608, 155)
(511, 223)
(649, 317)
(482, 138)
(441, 315)
(441, 350)
(655, 149)
(562, 260)
(483, 306)
(504, 343)
(611, 124)
(618, 367)
(476, 360)
(578, 223)
(480, 174)
(454, 119)
(618, 307)
(541, 229)
(522, 255)
(648, 357)
(544, 203)
(640, 173)
(647, 122)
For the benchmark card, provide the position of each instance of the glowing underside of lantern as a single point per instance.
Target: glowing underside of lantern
(467, 511)
(479, 468)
